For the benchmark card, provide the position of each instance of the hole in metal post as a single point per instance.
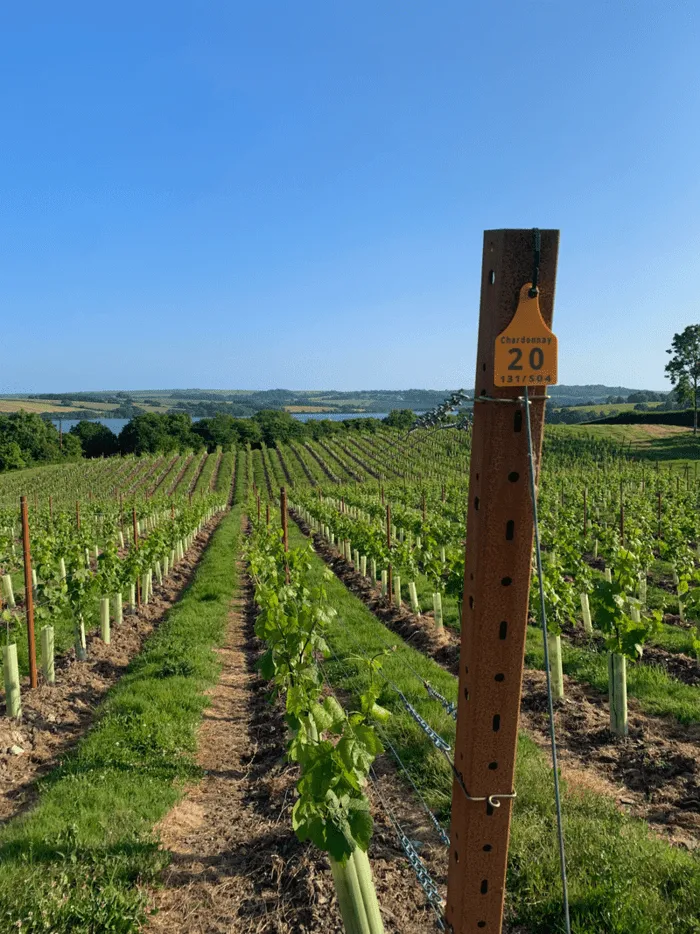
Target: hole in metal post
(487, 848)
(510, 530)
(496, 722)
(518, 421)
(493, 766)
(506, 581)
(503, 630)
(471, 603)
(500, 677)
(476, 503)
(492, 277)
(514, 476)
(484, 886)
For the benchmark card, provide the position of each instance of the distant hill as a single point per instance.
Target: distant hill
(242, 402)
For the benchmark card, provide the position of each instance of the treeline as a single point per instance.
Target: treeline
(152, 433)
(26, 439)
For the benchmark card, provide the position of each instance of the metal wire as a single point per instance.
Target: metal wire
(425, 880)
(537, 246)
(444, 838)
(550, 703)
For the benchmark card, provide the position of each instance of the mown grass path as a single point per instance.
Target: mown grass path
(79, 861)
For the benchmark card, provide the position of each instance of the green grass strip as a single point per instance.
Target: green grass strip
(657, 692)
(622, 879)
(77, 862)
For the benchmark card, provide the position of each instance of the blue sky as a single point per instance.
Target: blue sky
(293, 194)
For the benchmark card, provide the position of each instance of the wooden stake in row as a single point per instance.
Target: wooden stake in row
(28, 592)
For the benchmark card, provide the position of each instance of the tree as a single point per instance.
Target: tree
(400, 418)
(683, 369)
(152, 433)
(277, 426)
(96, 439)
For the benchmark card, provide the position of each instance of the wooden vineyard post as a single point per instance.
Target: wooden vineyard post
(285, 529)
(389, 570)
(135, 525)
(500, 531)
(28, 593)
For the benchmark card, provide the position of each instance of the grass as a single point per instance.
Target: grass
(648, 441)
(622, 879)
(79, 860)
(657, 692)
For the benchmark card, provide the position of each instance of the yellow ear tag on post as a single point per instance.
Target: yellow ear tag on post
(526, 351)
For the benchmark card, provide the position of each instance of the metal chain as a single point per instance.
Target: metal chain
(444, 838)
(448, 706)
(434, 737)
(425, 880)
(550, 703)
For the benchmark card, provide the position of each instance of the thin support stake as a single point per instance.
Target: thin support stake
(550, 703)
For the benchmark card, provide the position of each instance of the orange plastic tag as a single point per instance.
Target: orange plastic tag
(526, 351)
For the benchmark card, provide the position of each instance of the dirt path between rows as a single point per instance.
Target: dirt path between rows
(654, 774)
(236, 863)
(55, 718)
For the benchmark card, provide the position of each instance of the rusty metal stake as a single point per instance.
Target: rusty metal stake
(28, 592)
(500, 532)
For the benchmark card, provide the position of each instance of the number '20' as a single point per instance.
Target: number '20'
(535, 358)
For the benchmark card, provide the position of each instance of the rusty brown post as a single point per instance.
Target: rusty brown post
(389, 570)
(285, 530)
(77, 514)
(135, 525)
(283, 517)
(622, 514)
(500, 532)
(28, 592)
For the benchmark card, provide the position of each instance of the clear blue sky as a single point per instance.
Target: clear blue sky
(267, 194)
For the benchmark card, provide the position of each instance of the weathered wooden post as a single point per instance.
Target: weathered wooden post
(28, 593)
(389, 570)
(500, 529)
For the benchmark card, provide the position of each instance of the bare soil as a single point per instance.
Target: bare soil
(54, 718)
